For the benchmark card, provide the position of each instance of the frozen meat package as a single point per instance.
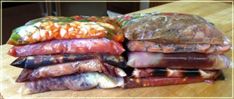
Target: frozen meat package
(33, 62)
(173, 33)
(177, 60)
(71, 46)
(82, 81)
(52, 28)
(91, 65)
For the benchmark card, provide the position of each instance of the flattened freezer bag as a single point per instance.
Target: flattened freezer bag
(115, 34)
(93, 65)
(177, 60)
(131, 82)
(173, 28)
(32, 62)
(82, 81)
(175, 73)
(50, 28)
(73, 46)
(177, 48)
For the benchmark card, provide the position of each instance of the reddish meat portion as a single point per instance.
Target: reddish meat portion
(163, 81)
(73, 46)
(173, 28)
(149, 46)
(177, 60)
(93, 65)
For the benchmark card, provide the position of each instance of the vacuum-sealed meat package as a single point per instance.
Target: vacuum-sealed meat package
(177, 60)
(174, 28)
(131, 82)
(32, 62)
(149, 46)
(174, 73)
(73, 46)
(92, 65)
(51, 28)
(82, 81)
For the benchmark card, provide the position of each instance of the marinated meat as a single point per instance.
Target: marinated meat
(93, 65)
(148, 46)
(131, 82)
(177, 60)
(174, 73)
(73, 46)
(32, 62)
(173, 28)
(50, 28)
(82, 81)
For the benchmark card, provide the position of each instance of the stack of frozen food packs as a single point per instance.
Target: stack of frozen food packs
(77, 53)
(80, 52)
(173, 48)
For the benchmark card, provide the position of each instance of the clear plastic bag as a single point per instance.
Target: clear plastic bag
(50, 28)
(131, 82)
(92, 65)
(173, 28)
(177, 60)
(73, 46)
(177, 48)
(127, 19)
(174, 73)
(32, 62)
(82, 81)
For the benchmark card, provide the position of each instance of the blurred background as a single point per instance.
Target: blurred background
(16, 14)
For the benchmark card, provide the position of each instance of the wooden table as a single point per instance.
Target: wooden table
(218, 13)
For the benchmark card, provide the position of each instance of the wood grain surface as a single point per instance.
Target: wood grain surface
(218, 13)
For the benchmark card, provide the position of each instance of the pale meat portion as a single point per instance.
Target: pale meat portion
(177, 60)
(82, 81)
(149, 46)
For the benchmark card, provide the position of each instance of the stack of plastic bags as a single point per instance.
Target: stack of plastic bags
(77, 53)
(173, 48)
(81, 52)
